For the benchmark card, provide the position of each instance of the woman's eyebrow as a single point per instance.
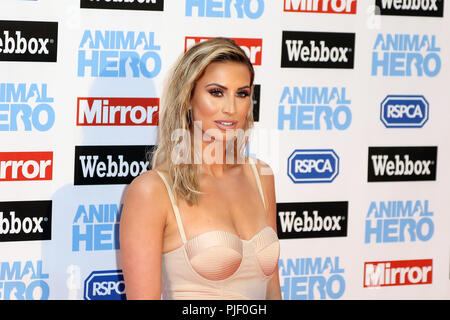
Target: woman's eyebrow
(223, 87)
(217, 85)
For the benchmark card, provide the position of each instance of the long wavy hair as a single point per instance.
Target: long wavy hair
(175, 103)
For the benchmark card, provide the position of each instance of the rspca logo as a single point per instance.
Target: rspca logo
(105, 285)
(311, 278)
(406, 55)
(96, 227)
(404, 111)
(26, 107)
(314, 108)
(399, 221)
(313, 166)
(23, 280)
(240, 9)
(28, 41)
(118, 54)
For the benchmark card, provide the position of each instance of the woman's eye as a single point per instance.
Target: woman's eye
(243, 94)
(216, 92)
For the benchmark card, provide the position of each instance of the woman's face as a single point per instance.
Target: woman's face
(222, 99)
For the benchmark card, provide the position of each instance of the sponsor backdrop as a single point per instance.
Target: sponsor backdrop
(351, 102)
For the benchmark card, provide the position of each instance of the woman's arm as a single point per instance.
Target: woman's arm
(141, 236)
(268, 185)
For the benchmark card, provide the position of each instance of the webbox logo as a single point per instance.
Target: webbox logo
(398, 273)
(109, 164)
(421, 8)
(402, 164)
(251, 47)
(111, 53)
(25, 107)
(314, 108)
(406, 55)
(23, 280)
(28, 41)
(321, 6)
(252, 9)
(298, 220)
(404, 111)
(148, 5)
(25, 220)
(317, 50)
(26, 166)
(311, 278)
(117, 111)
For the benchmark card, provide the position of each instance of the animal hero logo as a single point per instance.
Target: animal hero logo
(321, 6)
(117, 111)
(118, 54)
(314, 108)
(96, 227)
(311, 278)
(406, 111)
(34, 41)
(406, 55)
(252, 9)
(23, 280)
(399, 221)
(26, 107)
(313, 166)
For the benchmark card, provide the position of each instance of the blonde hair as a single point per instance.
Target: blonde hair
(175, 103)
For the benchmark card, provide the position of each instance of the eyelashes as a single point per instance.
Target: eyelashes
(216, 92)
(219, 93)
(243, 94)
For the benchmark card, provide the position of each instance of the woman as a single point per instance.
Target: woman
(202, 225)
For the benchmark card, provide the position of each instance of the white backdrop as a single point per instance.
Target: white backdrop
(79, 256)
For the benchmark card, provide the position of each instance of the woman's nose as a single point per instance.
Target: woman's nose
(229, 105)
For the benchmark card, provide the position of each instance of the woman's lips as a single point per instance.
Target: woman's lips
(226, 124)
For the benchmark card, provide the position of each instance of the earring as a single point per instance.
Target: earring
(189, 117)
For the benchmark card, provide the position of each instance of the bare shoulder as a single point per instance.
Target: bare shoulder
(147, 194)
(148, 182)
(266, 175)
(263, 168)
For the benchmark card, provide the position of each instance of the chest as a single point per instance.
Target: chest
(233, 204)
